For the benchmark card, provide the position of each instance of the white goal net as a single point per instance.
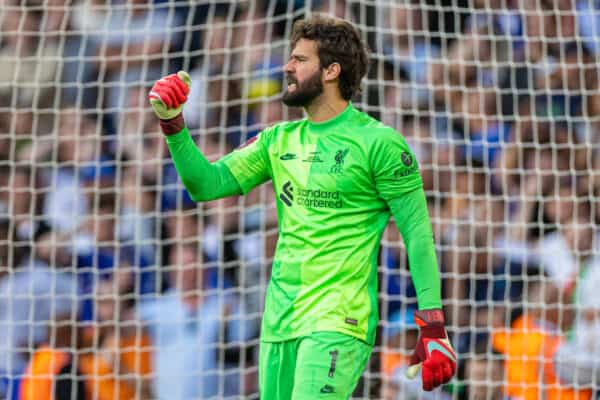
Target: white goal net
(114, 284)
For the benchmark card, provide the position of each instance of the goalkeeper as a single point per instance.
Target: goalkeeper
(338, 175)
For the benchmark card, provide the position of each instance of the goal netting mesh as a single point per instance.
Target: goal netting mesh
(114, 284)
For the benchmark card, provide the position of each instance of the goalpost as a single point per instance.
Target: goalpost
(98, 239)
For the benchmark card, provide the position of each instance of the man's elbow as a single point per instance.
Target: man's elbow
(197, 194)
(201, 196)
(205, 194)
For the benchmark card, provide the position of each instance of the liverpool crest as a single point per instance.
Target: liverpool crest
(340, 155)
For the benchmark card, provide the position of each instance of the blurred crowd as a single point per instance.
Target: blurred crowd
(114, 284)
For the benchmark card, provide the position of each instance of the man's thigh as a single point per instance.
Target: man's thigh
(276, 367)
(328, 365)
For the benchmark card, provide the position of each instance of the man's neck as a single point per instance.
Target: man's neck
(324, 108)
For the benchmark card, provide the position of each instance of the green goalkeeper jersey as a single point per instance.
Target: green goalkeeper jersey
(333, 183)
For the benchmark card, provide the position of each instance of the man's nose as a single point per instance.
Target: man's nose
(287, 68)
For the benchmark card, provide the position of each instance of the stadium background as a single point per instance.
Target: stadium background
(99, 241)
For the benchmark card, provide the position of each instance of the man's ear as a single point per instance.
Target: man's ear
(332, 72)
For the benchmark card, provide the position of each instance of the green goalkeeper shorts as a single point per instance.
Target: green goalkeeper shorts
(323, 364)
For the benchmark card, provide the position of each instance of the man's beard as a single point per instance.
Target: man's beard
(305, 93)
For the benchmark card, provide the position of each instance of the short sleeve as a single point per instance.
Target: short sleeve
(249, 163)
(395, 167)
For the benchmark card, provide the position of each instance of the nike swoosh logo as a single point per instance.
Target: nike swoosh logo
(434, 345)
(327, 389)
(287, 156)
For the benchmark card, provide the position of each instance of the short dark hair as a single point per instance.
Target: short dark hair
(337, 41)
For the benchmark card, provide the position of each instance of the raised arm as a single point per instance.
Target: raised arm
(203, 180)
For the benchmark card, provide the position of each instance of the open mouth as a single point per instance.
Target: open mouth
(292, 84)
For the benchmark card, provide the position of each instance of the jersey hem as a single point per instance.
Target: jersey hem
(279, 339)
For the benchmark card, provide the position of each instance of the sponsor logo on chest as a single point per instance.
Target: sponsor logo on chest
(310, 198)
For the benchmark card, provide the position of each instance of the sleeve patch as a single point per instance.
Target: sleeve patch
(408, 167)
(407, 159)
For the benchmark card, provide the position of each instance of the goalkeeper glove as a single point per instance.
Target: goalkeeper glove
(168, 95)
(433, 354)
